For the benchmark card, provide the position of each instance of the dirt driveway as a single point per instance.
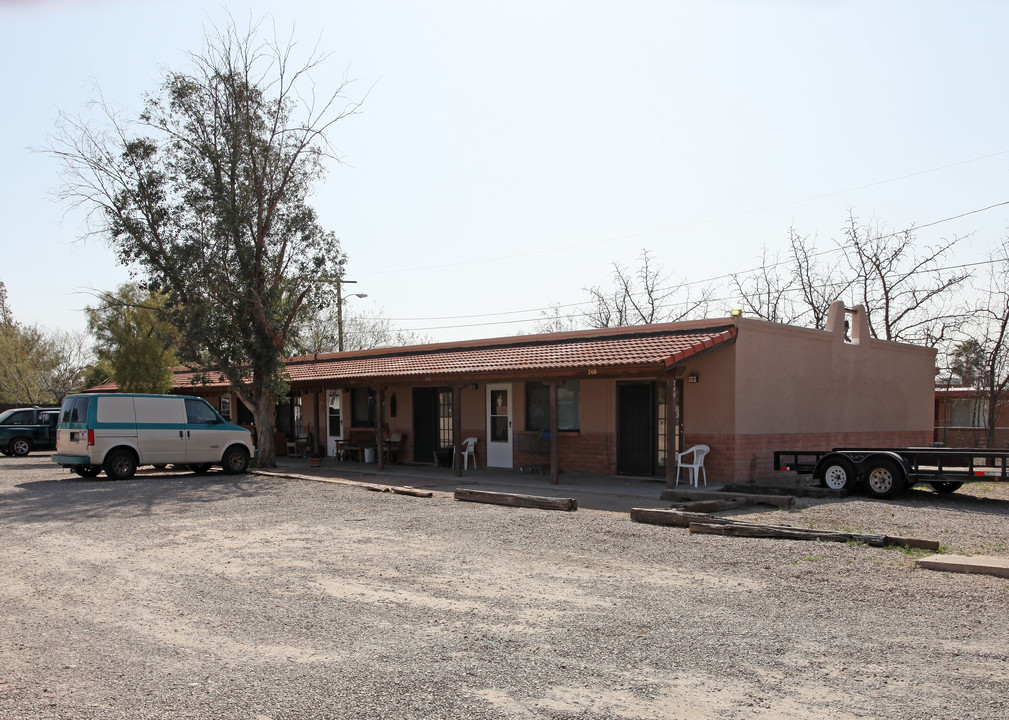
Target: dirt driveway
(182, 596)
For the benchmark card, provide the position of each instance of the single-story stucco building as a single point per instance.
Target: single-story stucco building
(614, 401)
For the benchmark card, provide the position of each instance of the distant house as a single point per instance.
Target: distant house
(616, 401)
(961, 418)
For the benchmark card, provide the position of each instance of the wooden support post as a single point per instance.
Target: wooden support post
(379, 434)
(554, 435)
(457, 430)
(670, 431)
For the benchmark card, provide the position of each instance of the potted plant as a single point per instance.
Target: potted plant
(315, 459)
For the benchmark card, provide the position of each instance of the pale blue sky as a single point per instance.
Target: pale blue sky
(509, 152)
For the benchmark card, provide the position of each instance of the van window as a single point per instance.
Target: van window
(75, 410)
(199, 412)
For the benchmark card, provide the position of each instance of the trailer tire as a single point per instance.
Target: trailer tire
(838, 475)
(946, 487)
(885, 479)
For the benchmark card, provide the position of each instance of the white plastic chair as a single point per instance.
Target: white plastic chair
(468, 451)
(695, 468)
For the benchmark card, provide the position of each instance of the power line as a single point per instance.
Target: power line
(683, 226)
(688, 283)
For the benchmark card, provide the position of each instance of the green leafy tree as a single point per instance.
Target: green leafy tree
(38, 366)
(205, 194)
(135, 343)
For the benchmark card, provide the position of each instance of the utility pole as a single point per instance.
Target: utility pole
(339, 308)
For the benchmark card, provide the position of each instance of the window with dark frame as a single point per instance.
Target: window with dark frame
(568, 406)
(362, 407)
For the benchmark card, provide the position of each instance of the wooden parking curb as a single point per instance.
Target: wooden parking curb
(513, 500)
(678, 495)
(711, 525)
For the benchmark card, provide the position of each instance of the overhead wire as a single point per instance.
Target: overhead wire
(685, 283)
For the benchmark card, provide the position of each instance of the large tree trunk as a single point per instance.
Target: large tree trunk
(267, 450)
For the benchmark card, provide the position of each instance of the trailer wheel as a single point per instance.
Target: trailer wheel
(87, 471)
(946, 487)
(199, 469)
(838, 475)
(885, 479)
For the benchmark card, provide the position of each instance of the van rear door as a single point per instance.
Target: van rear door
(72, 435)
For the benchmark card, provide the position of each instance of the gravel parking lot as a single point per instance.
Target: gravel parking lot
(182, 596)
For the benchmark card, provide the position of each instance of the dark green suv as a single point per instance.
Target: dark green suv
(25, 429)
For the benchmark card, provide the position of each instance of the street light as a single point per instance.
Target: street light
(339, 308)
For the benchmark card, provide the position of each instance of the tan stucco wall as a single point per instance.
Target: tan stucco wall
(783, 379)
(598, 406)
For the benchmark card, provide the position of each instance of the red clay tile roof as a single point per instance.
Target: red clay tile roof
(622, 352)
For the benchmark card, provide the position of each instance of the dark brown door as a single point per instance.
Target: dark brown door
(425, 424)
(635, 429)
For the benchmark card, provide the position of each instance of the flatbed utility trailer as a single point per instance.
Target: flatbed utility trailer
(887, 471)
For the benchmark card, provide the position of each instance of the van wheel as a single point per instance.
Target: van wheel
(200, 469)
(236, 460)
(20, 447)
(120, 465)
(87, 471)
(885, 479)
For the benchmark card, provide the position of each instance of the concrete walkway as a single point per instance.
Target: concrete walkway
(592, 492)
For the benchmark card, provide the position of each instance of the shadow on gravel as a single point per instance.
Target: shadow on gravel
(968, 499)
(73, 498)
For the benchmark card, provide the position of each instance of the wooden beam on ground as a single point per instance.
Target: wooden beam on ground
(776, 531)
(699, 522)
(676, 518)
(688, 495)
(513, 500)
(710, 506)
(398, 490)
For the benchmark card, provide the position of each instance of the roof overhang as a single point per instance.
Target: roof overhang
(645, 351)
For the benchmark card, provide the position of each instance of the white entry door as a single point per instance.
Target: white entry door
(499, 425)
(334, 420)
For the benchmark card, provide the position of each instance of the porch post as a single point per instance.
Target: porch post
(671, 430)
(457, 430)
(319, 440)
(379, 421)
(554, 440)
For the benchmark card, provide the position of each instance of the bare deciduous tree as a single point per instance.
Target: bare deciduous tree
(767, 291)
(983, 359)
(907, 293)
(819, 283)
(643, 296)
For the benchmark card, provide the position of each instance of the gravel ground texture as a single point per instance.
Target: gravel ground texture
(251, 597)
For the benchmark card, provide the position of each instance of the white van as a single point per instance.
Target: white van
(117, 432)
